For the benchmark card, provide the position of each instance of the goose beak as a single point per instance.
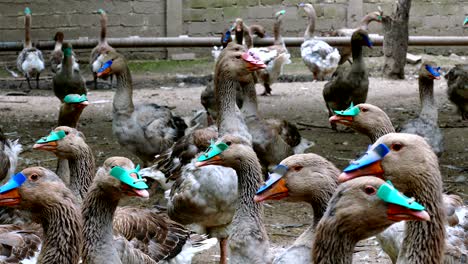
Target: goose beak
(49, 146)
(399, 213)
(374, 169)
(276, 192)
(82, 105)
(253, 64)
(216, 160)
(10, 198)
(344, 120)
(129, 191)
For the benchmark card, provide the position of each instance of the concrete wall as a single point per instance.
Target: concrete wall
(212, 17)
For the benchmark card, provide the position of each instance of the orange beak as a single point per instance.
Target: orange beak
(104, 72)
(129, 191)
(374, 169)
(276, 192)
(82, 105)
(344, 120)
(216, 160)
(10, 198)
(49, 146)
(398, 213)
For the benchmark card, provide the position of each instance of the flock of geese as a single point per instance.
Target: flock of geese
(213, 167)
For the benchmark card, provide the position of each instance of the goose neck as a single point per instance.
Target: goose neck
(27, 32)
(356, 50)
(103, 20)
(330, 237)
(123, 103)
(311, 17)
(81, 172)
(379, 131)
(277, 31)
(98, 211)
(365, 22)
(247, 37)
(61, 222)
(426, 97)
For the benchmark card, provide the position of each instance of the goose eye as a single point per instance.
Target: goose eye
(364, 109)
(297, 168)
(396, 146)
(228, 143)
(238, 57)
(34, 177)
(66, 132)
(370, 190)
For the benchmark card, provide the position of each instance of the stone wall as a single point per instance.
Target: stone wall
(211, 17)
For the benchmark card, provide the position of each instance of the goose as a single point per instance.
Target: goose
(30, 60)
(68, 81)
(146, 236)
(254, 247)
(372, 121)
(145, 130)
(302, 177)
(275, 57)
(345, 52)
(56, 56)
(457, 92)
(102, 47)
(69, 144)
(349, 84)
(208, 196)
(55, 209)
(71, 109)
(321, 58)
(411, 165)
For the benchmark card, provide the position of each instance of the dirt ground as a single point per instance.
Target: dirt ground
(31, 117)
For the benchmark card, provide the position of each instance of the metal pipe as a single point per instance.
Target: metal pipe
(175, 42)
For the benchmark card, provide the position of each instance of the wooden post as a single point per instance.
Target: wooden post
(395, 43)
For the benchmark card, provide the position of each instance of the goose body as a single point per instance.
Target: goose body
(411, 165)
(349, 84)
(457, 91)
(56, 56)
(146, 129)
(321, 59)
(68, 81)
(30, 60)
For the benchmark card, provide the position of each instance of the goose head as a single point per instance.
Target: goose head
(364, 118)
(374, 16)
(302, 177)
(465, 22)
(229, 151)
(59, 36)
(33, 188)
(361, 38)
(63, 141)
(406, 160)
(429, 70)
(111, 63)
(238, 62)
(118, 175)
(366, 206)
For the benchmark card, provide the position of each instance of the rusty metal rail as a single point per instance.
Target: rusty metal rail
(175, 42)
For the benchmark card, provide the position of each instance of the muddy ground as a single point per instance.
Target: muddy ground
(31, 117)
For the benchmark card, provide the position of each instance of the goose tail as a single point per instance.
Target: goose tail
(197, 243)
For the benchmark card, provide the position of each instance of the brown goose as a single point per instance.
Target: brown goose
(145, 130)
(68, 81)
(306, 178)
(374, 122)
(357, 211)
(146, 236)
(30, 61)
(408, 161)
(56, 56)
(69, 144)
(56, 209)
(102, 47)
(249, 229)
(349, 84)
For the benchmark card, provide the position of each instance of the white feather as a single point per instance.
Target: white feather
(190, 249)
(33, 63)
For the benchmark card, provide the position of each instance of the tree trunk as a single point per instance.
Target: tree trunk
(395, 43)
